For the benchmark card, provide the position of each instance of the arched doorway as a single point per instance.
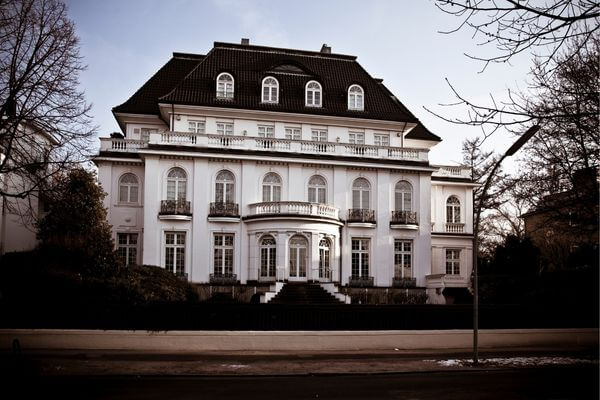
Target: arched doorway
(298, 258)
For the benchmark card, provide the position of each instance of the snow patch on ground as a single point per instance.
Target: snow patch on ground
(516, 361)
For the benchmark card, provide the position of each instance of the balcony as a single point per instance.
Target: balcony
(361, 217)
(361, 281)
(404, 220)
(404, 283)
(293, 209)
(452, 227)
(223, 279)
(449, 171)
(175, 209)
(225, 212)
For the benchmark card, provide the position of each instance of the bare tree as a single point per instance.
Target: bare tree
(45, 124)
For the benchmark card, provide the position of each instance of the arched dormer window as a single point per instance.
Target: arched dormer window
(453, 210)
(356, 98)
(403, 196)
(176, 184)
(317, 190)
(225, 86)
(225, 187)
(313, 94)
(270, 90)
(271, 187)
(128, 188)
(361, 192)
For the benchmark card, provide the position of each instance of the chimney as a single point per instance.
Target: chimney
(245, 41)
(325, 49)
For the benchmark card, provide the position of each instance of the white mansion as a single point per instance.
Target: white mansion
(254, 164)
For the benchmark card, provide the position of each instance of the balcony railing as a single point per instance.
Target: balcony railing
(404, 282)
(404, 217)
(361, 281)
(223, 279)
(124, 145)
(361, 215)
(455, 227)
(452, 171)
(175, 207)
(294, 207)
(224, 210)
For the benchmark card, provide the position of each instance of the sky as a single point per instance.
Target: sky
(124, 42)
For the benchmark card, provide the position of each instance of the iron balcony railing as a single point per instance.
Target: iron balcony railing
(404, 217)
(404, 282)
(223, 279)
(361, 281)
(175, 207)
(361, 215)
(221, 209)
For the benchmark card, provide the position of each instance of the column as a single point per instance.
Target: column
(382, 252)
(201, 239)
(152, 196)
(422, 246)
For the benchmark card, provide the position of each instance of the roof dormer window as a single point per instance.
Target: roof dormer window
(224, 86)
(356, 98)
(270, 90)
(313, 94)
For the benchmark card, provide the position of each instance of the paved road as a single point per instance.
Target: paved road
(524, 383)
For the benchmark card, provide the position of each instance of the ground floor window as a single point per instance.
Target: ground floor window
(453, 261)
(324, 259)
(223, 254)
(175, 252)
(360, 258)
(268, 256)
(127, 248)
(298, 254)
(402, 258)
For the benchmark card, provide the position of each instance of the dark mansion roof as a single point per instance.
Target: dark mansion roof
(191, 80)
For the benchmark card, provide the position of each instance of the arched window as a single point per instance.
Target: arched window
(361, 192)
(298, 256)
(176, 184)
(225, 86)
(313, 94)
(268, 256)
(270, 90)
(317, 190)
(271, 187)
(128, 188)
(403, 196)
(355, 98)
(324, 258)
(225, 187)
(453, 210)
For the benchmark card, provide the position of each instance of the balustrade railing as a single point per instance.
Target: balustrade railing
(175, 207)
(361, 215)
(114, 144)
(404, 217)
(221, 209)
(294, 207)
(454, 227)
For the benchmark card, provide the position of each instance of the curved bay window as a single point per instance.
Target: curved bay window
(268, 257)
(324, 259)
(271, 187)
(317, 190)
(298, 257)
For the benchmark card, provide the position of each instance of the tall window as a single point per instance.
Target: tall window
(452, 261)
(319, 135)
(268, 256)
(225, 86)
(313, 94)
(128, 188)
(403, 196)
(176, 184)
(145, 133)
(270, 90)
(356, 137)
(293, 133)
(224, 128)
(225, 187)
(127, 248)
(298, 254)
(360, 258)
(223, 254)
(402, 258)
(380, 139)
(361, 191)
(453, 210)
(317, 190)
(355, 98)
(271, 187)
(324, 259)
(175, 252)
(266, 131)
(196, 126)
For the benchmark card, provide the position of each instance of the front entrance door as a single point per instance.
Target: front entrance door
(298, 258)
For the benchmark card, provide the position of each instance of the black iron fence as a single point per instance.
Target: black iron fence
(175, 207)
(404, 217)
(221, 209)
(361, 215)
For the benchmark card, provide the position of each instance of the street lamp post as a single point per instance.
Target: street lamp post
(477, 217)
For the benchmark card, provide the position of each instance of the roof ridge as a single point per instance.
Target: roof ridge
(283, 50)
(186, 76)
(193, 56)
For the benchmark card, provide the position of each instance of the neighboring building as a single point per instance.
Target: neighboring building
(253, 164)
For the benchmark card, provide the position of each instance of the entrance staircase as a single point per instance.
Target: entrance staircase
(304, 293)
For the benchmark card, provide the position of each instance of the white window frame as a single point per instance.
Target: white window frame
(292, 133)
(179, 185)
(401, 255)
(317, 192)
(225, 88)
(298, 262)
(361, 255)
(319, 135)
(403, 196)
(453, 261)
(225, 128)
(313, 96)
(266, 131)
(356, 100)
(130, 188)
(270, 91)
(128, 248)
(224, 269)
(356, 137)
(178, 249)
(324, 258)
(195, 126)
(224, 187)
(381, 139)
(145, 133)
(268, 257)
(453, 210)
(273, 189)
(364, 195)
